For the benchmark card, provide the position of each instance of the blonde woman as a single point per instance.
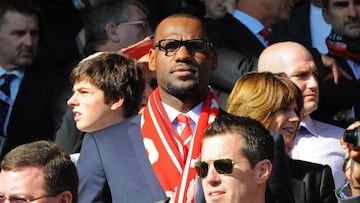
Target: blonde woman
(270, 98)
(277, 103)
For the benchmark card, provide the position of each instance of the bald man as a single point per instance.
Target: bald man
(316, 141)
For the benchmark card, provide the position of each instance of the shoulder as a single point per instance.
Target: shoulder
(302, 168)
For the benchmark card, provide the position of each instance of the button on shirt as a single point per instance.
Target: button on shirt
(319, 142)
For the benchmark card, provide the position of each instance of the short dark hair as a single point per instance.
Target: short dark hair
(60, 173)
(26, 7)
(117, 75)
(258, 143)
(189, 16)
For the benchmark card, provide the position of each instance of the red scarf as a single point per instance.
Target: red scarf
(340, 46)
(162, 143)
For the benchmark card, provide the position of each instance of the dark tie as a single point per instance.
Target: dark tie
(4, 105)
(266, 34)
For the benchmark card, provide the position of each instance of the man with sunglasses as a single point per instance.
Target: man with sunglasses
(145, 158)
(236, 160)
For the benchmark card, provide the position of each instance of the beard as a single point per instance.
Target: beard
(183, 92)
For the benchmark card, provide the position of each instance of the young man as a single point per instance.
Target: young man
(40, 171)
(236, 158)
(107, 89)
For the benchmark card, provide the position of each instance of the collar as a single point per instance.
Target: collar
(17, 73)
(309, 125)
(250, 22)
(193, 113)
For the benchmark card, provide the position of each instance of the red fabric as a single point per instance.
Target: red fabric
(186, 132)
(266, 34)
(175, 173)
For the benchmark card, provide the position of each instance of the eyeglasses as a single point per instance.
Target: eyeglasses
(222, 166)
(13, 199)
(143, 23)
(192, 45)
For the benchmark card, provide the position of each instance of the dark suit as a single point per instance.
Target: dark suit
(338, 97)
(34, 114)
(114, 159)
(311, 182)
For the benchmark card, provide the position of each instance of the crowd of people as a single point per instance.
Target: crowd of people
(185, 101)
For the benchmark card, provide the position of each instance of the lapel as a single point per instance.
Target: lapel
(242, 39)
(27, 91)
(298, 190)
(148, 173)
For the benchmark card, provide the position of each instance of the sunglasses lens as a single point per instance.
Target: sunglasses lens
(196, 45)
(223, 166)
(170, 45)
(201, 168)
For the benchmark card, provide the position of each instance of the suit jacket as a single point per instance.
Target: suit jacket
(238, 49)
(34, 115)
(231, 33)
(114, 161)
(311, 182)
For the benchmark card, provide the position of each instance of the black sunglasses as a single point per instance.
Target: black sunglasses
(192, 45)
(222, 166)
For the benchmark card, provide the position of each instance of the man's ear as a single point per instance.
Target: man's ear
(64, 197)
(151, 62)
(111, 32)
(117, 104)
(263, 170)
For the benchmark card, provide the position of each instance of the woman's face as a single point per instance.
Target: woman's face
(285, 121)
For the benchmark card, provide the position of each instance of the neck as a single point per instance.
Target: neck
(183, 104)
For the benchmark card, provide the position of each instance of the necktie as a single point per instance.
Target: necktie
(4, 105)
(186, 132)
(266, 34)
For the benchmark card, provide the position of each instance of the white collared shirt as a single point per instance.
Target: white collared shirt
(319, 142)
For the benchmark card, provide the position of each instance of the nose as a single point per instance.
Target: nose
(72, 100)
(182, 53)
(28, 39)
(312, 82)
(213, 177)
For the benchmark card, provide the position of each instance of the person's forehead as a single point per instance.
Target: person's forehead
(17, 20)
(181, 28)
(21, 179)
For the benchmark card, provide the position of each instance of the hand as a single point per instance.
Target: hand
(330, 62)
(352, 167)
